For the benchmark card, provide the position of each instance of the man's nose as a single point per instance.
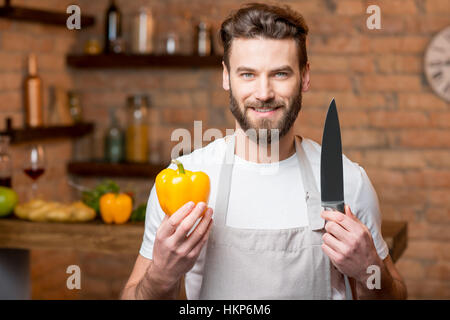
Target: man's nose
(264, 91)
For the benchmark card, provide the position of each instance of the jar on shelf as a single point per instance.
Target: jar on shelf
(202, 43)
(5, 163)
(137, 139)
(142, 32)
(114, 140)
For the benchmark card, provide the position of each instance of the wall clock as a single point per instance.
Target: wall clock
(437, 64)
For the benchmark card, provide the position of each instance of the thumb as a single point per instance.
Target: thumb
(349, 213)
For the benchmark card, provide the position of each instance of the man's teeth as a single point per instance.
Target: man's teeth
(264, 109)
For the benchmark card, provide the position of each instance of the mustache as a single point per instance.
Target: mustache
(264, 104)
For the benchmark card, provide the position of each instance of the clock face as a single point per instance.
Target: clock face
(437, 64)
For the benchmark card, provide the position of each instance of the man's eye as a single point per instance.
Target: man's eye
(281, 74)
(246, 75)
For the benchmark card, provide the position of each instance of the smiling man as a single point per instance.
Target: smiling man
(261, 243)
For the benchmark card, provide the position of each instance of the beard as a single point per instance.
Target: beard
(264, 126)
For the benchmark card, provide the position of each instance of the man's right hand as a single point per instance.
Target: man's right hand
(175, 253)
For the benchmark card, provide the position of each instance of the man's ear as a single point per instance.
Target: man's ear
(305, 78)
(225, 77)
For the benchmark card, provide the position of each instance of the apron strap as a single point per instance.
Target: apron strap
(313, 201)
(223, 191)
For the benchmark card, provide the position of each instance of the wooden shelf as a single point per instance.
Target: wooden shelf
(37, 134)
(41, 16)
(105, 169)
(95, 236)
(122, 61)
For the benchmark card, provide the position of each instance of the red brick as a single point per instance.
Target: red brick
(330, 81)
(394, 159)
(354, 155)
(429, 289)
(439, 197)
(11, 102)
(426, 249)
(339, 45)
(437, 158)
(220, 98)
(425, 138)
(398, 119)
(362, 64)
(172, 99)
(350, 7)
(437, 7)
(429, 24)
(187, 80)
(51, 62)
(395, 44)
(422, 101)
(439, 271)
(399, 196)
(353, 119)
(388, 83)
(398, 7)
(390, 25)
(399, 63)
(411, 269)
(308, 7)
(11, 61)
(363, 138)
(429, 178)
(328, 63)
(335, 25)
(383, 177)
(10, 81)
(440, 119)
(184, 115)
(438, 215)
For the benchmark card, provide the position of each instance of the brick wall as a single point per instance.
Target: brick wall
(392, 123)
(50, 43)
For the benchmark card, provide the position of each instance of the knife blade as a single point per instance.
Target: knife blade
(331, 172)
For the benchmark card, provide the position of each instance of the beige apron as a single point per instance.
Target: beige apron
(266, 264)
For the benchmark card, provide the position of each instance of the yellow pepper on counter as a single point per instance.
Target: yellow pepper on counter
(116, 207)
(176, 187)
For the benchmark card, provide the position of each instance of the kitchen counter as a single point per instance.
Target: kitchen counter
(95, 236)
(17, 237)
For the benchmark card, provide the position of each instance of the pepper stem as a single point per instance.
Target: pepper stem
(179, 165)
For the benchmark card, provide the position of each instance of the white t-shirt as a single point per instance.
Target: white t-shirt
(269, 201)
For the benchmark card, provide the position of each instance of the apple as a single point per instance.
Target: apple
(8, 200)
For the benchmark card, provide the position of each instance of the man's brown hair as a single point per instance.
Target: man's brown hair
(255, 20)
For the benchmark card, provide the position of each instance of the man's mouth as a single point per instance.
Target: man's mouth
(265, 110)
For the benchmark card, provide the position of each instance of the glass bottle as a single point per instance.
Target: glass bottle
(5, 163)
(113, 29)
(137, 140)
(33, 95)
(74, 106)
(114, 140)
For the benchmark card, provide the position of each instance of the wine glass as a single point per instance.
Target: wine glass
(34, 165)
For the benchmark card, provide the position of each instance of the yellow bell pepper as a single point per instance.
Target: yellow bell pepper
(115, 207)
(176, 187)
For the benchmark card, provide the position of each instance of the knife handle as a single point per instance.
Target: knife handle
(334, 206)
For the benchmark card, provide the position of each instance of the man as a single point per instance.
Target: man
(262, 243)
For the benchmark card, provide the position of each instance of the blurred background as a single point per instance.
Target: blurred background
(163, 71)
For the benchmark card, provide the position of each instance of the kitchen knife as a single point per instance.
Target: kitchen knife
(331, 172)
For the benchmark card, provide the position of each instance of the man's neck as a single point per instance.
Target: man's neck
(248, 149)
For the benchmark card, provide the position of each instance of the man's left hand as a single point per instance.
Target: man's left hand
(349, 244)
